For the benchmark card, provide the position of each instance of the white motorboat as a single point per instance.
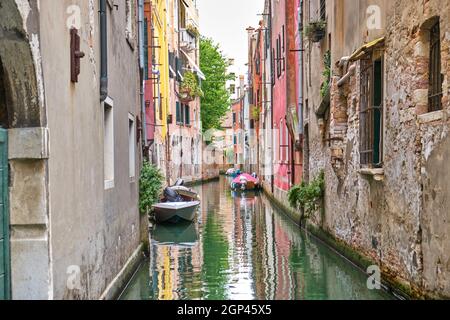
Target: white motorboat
(173, 212)
(186, 193)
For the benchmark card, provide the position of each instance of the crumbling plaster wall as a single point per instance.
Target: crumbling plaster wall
(400, 222)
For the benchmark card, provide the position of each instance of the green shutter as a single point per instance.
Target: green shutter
(187, 117)
(378, 112)
(145, 49)
(4, 218)
(178, 111)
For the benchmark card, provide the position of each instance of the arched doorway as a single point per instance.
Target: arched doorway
(23, 151)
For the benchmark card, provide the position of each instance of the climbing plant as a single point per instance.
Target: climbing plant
(326, 73)
(256, 112)
(150, 186)
(308, 195)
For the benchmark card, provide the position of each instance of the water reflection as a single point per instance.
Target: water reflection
(242, 248)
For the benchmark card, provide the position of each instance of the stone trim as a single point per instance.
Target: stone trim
(377, 174)
(28, 143)
(118, 284)
(431, 117)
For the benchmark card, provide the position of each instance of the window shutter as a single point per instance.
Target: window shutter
(146, 49)
(178, 118)
(187, 117)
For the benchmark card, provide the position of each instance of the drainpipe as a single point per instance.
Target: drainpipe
(142, 71)
(103, 51)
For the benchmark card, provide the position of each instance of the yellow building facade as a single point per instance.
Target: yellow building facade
(161, 83)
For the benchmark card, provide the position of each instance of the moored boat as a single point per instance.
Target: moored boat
(174, 212)
(245, 182)
(187, 193)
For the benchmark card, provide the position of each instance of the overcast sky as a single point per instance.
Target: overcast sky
(226, 20)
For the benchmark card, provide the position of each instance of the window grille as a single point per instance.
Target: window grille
(371, 112)
(435, 78)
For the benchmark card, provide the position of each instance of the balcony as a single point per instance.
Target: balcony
(187, 40)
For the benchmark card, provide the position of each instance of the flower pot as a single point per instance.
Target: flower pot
(185, 97)
(317, 35)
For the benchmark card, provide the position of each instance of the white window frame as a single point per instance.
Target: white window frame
(132, 147)
(108, 145)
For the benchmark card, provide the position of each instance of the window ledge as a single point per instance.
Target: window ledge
(132, 180)
(431, 117)
(131, 42)
(109, 184)
(377, 174)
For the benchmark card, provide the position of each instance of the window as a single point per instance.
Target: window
(278, 56)
(258, 64)
(182, 16)
(323, 10)
(234, 117)
(132, 145)
(232, 89)
(179, 116)
(129, 30)
(108, 143)
(187, 115)
(172, 64)
(371, 112)
(435, 76)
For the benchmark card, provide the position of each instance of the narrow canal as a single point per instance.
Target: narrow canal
(243, 248)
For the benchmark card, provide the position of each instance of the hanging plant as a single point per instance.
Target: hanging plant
(190, 87)
(193, 30)
(316, 30)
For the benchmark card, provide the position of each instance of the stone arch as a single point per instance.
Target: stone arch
(21, 92)
(422, 56)
(22, 112)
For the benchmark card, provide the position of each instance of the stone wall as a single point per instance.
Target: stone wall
(398, 217)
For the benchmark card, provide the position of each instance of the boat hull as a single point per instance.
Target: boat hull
(174, 212)
(249, 186)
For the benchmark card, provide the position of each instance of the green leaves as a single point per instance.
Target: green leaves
(216, 99)
(314, 26)
(326, 73)
(150, 186)
(190, 85)
(308, 196)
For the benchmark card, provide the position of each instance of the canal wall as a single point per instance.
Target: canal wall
(396, 286)
(393, 211)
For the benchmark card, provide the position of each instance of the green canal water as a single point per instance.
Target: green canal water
(241, 247)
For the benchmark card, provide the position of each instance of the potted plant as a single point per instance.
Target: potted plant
(193, 30)
(316, 30)
(190, 88)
